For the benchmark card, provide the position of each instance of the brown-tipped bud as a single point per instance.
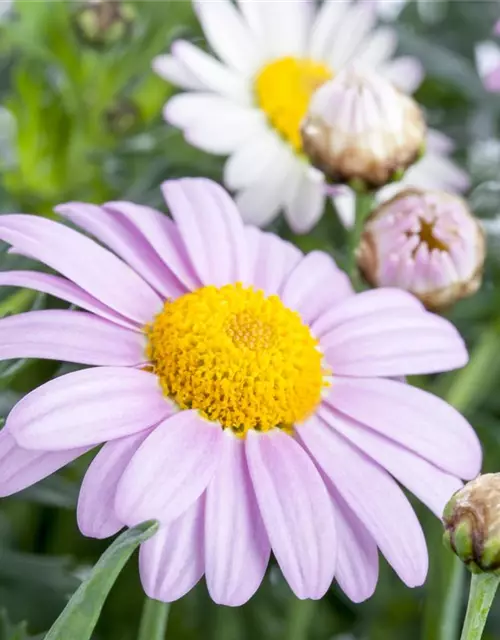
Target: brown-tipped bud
(472, 524)
(359, 127)
(427, 242)
(102, 23)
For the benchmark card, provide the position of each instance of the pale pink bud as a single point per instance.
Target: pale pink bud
(361, 128)
(426, 242)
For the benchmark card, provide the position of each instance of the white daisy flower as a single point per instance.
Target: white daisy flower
(436, 170)
(248, 103)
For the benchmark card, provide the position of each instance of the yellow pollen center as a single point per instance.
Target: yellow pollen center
(240, 358)
(427, 236)
(284, 89)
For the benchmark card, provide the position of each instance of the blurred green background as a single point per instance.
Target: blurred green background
(81, 119)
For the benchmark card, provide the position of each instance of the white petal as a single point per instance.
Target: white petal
(379, 48)
(286, 26)
(326, 26)
(214, 75)
(406, 73)
(228, 35)
(308, 202)
(353, 29)
(172, 70)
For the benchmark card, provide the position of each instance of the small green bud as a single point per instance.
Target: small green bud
(103, 23)
(122, 118)
(472, 524)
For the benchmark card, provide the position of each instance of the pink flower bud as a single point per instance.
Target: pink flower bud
(426, 242)
(361, 128)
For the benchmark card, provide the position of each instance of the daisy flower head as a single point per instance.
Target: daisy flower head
(360, 128)
(427, 242)
(248, 100)
(242, 394)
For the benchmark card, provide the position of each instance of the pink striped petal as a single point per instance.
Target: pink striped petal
(357, 556)
(431, 485)
(414, 419)
(211, 229)
(375, 303)
(20, 468)
(88, 407)
(116, 232)
(273, 259)
(400, 344)
(296, 509)
(374, 497)
(315, 285)
(162, 234)
(170, 470)
(81, 260)
(64, 290)
(70, 336)
(96, 502)
(172, 562)
(236, 545)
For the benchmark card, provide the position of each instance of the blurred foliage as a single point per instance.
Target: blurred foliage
(82, 120)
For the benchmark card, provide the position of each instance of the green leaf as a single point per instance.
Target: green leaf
(9, 631)
(80, 616)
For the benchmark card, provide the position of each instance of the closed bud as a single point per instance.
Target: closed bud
(103, 23)
(472, 524)
(426, 242)
(361, 128)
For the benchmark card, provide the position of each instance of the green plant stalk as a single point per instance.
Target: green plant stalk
(154, 620)
(467, 391)
(300, 616)
(483, 587)
(364, 206)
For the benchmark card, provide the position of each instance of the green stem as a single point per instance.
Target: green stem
(154, 620)
(300, 615)
(364, 206)
(482, 591)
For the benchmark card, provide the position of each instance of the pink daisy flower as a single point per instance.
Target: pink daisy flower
(242, 394)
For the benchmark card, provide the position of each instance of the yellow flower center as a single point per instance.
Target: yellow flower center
(240, 358)
(284, 89)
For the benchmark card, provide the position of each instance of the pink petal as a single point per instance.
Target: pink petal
(404, 343)
(236, 545)
(315, 285)
(116, 232)
(377, 302)
(171, 562)
(70, 336)
(431, 485)
(273, 259)
(170, 470)
(374, 497)
(211, 229)
(414, 419)
(357, 555)
(20, 468)
(162, 234)
(88, 407)
(63, 289)
(296, 509)
(96, 502)
(81, 260)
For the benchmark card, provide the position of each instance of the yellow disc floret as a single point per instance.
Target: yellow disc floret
(240, 358)
(284, 89)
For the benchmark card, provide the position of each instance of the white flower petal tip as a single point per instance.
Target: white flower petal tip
(360, 127)
(488, 65)
(427, 242)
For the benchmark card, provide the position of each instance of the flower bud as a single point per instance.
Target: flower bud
(472, 523)
(361, 128)
(104, 22)
(122, 117)
(427, 242)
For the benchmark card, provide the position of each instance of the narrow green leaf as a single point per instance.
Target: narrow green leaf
(79, 618)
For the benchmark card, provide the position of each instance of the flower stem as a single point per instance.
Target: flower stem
(482, 591)
(300, 615)
(364, 206)
(154, 620)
